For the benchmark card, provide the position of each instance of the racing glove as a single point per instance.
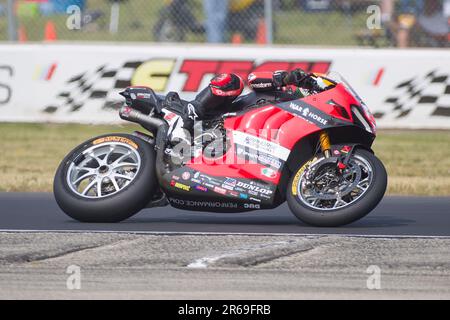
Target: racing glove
(300, 78)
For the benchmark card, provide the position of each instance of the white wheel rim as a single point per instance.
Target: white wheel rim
(103, 170)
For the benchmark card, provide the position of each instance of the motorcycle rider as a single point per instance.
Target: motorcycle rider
(223, 89)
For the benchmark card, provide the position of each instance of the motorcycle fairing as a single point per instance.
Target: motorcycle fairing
(188, 188)
(261, 142)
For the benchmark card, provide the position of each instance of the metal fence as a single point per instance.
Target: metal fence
(377, 23)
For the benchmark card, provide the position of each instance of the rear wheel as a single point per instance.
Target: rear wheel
(106, 179)
(320, 195)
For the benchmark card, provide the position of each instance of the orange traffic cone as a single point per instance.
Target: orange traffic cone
(22, 33)
(236, 38)
(261, 33)
(50, 32)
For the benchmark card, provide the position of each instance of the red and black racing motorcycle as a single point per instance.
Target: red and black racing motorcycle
(313, 152)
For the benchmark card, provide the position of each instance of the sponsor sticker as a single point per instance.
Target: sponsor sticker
(220, 190)
(209, 185)
(269, 173)
(243, 196)
(252, 206)
(143, 96)
(258, 157)
(186, 175)
(307, 114)
(181, 186)
(231, 182)
(115, 139)
(201, 188)
(253, 188)
(225, 186)
(210, 179)
(261, 85)
(260, 144)
(204, 204)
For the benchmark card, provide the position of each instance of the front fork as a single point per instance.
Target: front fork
(344, 155)
(325, 144)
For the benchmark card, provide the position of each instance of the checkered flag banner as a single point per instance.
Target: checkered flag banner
(430, 93)
(92, 89)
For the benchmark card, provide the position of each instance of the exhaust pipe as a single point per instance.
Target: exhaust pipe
(160, 143)
(158, 127)
(150, 123)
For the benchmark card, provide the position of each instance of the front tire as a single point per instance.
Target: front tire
(106, 179)
(320, 209)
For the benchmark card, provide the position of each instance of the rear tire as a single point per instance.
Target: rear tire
(118, 205)
(347, 214)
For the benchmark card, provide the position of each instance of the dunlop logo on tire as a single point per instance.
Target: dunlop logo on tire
(115, 139)
(298, 174)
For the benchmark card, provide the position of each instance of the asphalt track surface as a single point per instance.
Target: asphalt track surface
(395, 216)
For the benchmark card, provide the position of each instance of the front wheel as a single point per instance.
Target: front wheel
(322, 195)
(106, 179)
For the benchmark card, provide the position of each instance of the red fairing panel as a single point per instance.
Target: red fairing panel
(253, 121)
(293, 130)
(231, 166)
(257, 120)
(339, 95)
(273, 124)
(297, 128)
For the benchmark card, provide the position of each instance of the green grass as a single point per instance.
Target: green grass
(32, 152)
(418, 162)
(137, 18)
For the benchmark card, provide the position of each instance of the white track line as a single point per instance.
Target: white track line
(169, 233)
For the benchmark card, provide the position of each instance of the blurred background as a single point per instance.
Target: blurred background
(372, 23)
